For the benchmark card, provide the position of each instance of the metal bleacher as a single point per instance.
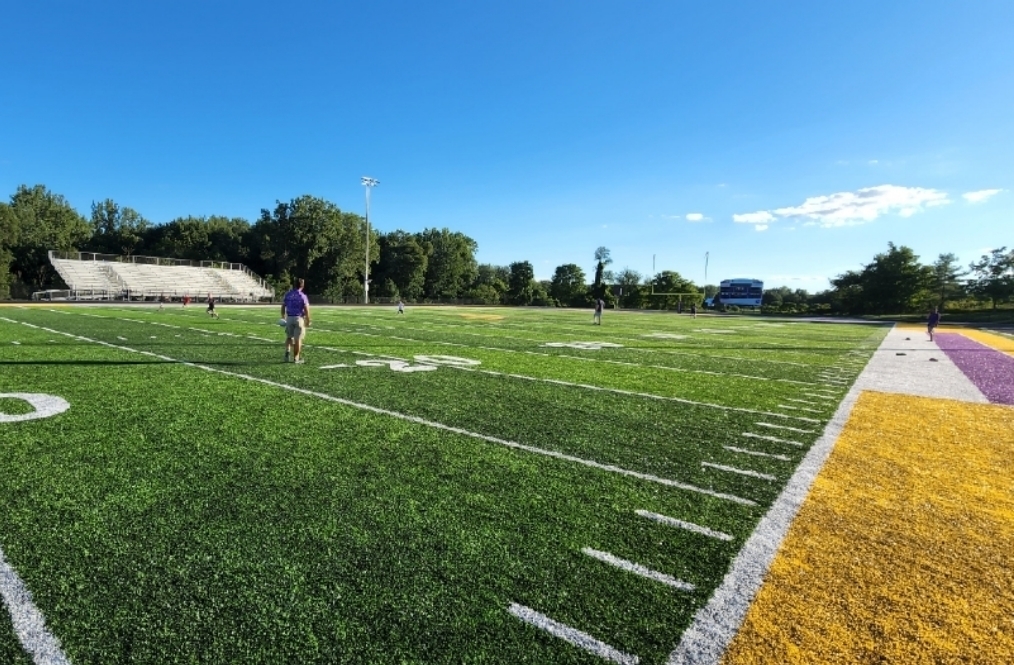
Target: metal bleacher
(107, 277)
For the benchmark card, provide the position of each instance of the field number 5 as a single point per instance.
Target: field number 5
(44, 405)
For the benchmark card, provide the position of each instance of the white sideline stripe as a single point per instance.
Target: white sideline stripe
(572, 635)
(742, 472)
(717, 622)
(765, 437)
(785, 427)
(430, 423)
(758, 453)
(689, 526)
(638, 569)
(29, 624)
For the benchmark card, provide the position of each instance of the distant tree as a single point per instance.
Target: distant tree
(451, 268)
(521, 283)
(45, 221)
(993, 276)
(312, 238)
(893, 283)
(8, 241)
(669, 281)
(212, 238)
(117, 230)
(568, 286)
(602, 259)
(947, 279)
(495, 278)
(403, 262)
(632, 295)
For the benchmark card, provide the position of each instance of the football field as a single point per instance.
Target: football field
(454, 485)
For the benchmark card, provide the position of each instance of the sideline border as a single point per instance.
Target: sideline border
(706, 639)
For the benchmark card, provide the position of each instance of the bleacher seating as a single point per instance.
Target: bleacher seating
(145, 278)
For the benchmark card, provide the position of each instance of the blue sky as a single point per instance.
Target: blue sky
(789, 140)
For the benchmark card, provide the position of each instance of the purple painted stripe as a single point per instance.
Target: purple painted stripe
(990, 370)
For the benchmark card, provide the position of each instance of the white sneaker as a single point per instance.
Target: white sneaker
(299, 361)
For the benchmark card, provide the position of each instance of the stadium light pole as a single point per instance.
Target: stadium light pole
(369, 183)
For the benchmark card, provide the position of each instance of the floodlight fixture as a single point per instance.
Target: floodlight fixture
(369, 183)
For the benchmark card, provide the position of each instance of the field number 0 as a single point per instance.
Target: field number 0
(44, 405)
(427, 363)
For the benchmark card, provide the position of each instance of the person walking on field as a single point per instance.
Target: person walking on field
(211, 307)
(296, 310)
(597, 316)
(933, 322)
(401, 307)
(693, 310)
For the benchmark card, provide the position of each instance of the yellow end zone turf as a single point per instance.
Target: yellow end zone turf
(904, 550)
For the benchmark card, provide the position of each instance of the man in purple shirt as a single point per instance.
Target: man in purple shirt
(296, 310)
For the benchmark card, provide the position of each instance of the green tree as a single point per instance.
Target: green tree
(45, 221)
(670, 281)
(490, 285)
(633, 295)
(312, 238)
(602, 259)
(993, 276)
(568, 286)
(947, 279)
(403, 262)
(521, 283)
(117, 230)
(9, 234)
(451, 268)
(893, 283)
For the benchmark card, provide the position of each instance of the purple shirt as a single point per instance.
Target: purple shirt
(295, 303)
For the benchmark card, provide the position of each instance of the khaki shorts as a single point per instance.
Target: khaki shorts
(294, 327)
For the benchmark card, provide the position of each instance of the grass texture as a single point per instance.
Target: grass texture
(203, 502)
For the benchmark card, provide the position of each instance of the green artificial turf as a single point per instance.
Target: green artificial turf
(179, 515)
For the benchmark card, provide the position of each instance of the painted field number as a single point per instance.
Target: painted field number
(44, 405)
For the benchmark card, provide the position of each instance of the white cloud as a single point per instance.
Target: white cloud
(761, 227)
(695, 217)
(754, 217)
(981, 195)
(852, 208)
(874, 161)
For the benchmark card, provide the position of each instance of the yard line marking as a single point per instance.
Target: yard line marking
(784, 458)
(584, 386)
(791, 429)
(818, 396)
(430, 423)
(689, 526)
(742, 472)
(638, 569)
(572, 635)
(798, 408)
(765, 437)
(29, 624)
(801, 401)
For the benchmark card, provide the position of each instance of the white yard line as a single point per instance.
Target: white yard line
(708, 636)
(584, 386)
(572, 635)
(785, 427)
(29, 624)
(775, 439)
(689, 526)
(429, 423)
(742, 472)
(758, 453)
(638, 569)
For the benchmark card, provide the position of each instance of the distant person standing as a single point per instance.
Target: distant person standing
(296, 310)
(211, 307)
(693, 310)
(933, 321)
(597, 316)
(401, 307)
(186, 300)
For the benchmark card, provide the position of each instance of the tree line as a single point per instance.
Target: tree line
(312, 238)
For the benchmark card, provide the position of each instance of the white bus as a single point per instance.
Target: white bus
(742, 292)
